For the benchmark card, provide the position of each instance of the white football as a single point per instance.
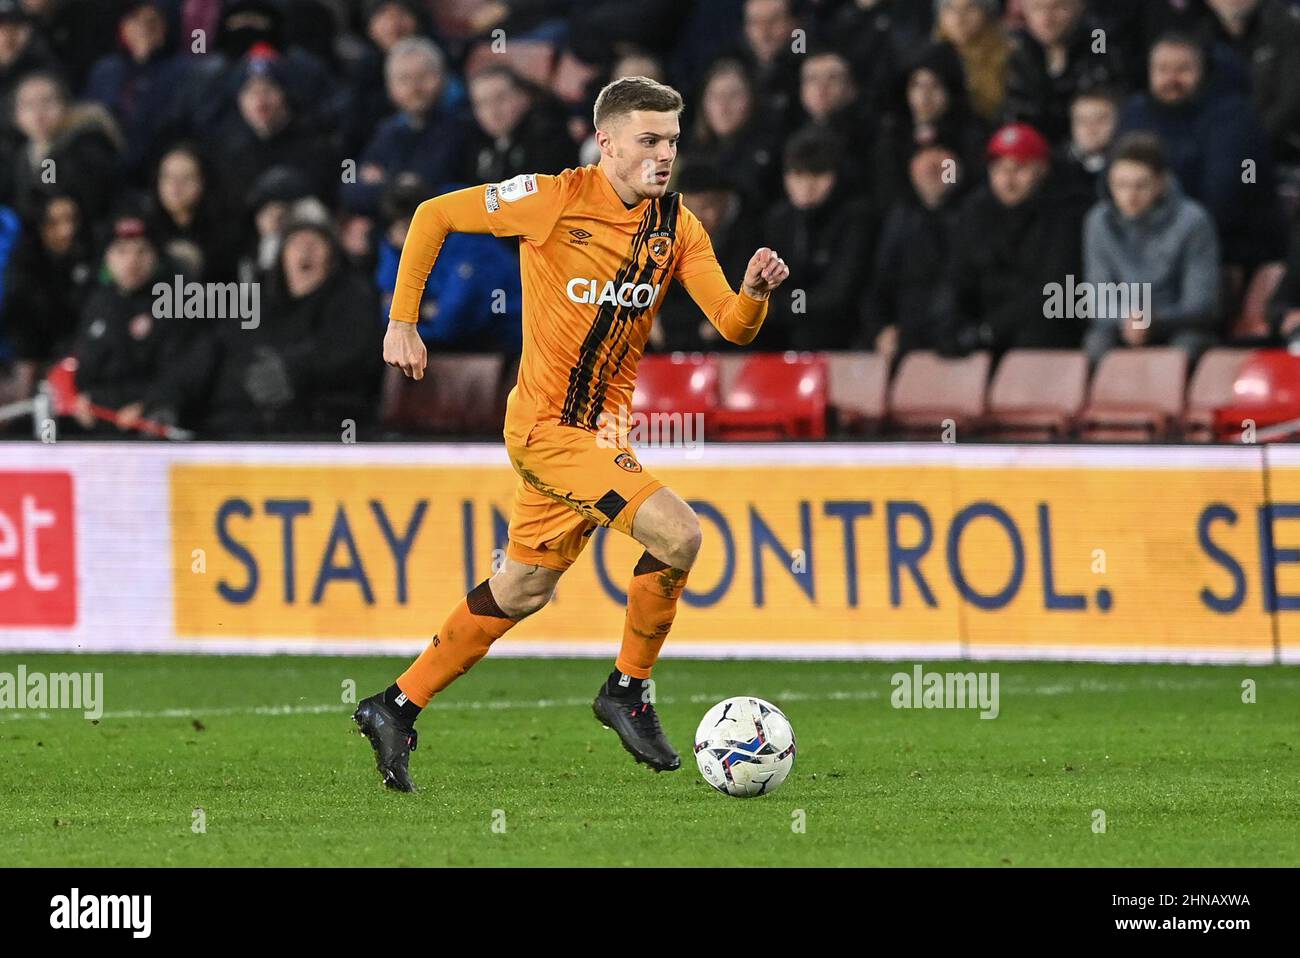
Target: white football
(745, 747)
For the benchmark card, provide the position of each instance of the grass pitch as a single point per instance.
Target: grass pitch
(1185, 773)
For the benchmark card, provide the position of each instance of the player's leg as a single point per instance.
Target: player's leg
(545, 538)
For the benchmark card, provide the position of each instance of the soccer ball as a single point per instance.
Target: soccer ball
(744, 747)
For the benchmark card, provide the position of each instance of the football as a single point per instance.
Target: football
(745, 747)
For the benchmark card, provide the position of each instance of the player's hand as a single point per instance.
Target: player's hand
(404, 349)
(766, 271)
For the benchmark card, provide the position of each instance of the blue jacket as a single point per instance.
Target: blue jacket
(457, 310)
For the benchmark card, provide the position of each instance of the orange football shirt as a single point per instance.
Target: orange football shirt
(594, 275)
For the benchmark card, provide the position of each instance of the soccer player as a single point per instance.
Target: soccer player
(599, 245)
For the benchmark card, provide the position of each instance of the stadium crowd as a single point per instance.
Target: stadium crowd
(926, 167)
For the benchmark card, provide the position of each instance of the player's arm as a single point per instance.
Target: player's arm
(526, 206)
(738, 316)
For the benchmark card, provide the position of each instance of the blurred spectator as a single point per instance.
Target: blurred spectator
(266, 132)
(72, 145)
(1056, 55)
(189, 221)
(1284, 309)
(126, 358)
(898, 312)
(932, 107)
(422, 138)
(22, 50)
(767, 48)
(139, 82)
(76, 32)
(386, 24)
(274, 193)
(1013, 237)
(1265, 35)
(48, 280)
(975, 30)
(830, 100)
(1094, 116)
(313, 360)
(519, 129)
(473, 301)
(730, 133)
(876, 35)
(824, 234)
(632, 62)
(1216, 148)
(1147, 232)
(710, 193)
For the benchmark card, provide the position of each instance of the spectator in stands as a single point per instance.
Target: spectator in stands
(193, 229)
(387, 23)
(311, 361)
(1265, 35)
(1055, 56)
(1147, 235)
(631, 62)
(876, 36)
(48, 280)
(518, 129)
(1094, 116)
(767, 49)
(710, 193)
(22, 49)
(1284, 308)
(730, 133)
(421, 138)
(830, 100)
(1013, 237)
(75, 145)
(139, 82)
(272, 196)
(898, 310)
(1216, 148)
(126, 358)
(825, 236)
(931, 107)
(975, 30)
(473, 301)
(266, 132)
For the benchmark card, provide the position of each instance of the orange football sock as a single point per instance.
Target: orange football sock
(651, 604)
(471, 628)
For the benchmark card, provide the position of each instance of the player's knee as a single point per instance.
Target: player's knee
(686, 543)
(520, 596)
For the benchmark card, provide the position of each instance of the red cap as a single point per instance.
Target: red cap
(1021, 142)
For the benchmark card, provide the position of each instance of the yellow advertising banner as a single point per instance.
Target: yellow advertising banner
(998, 558)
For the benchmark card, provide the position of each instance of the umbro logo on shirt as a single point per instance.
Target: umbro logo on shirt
(580, 237)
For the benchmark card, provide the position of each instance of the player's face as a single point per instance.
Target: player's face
(643, 146)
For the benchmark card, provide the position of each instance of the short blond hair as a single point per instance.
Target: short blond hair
(634, 93)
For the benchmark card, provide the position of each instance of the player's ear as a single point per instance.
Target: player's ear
(605, 143)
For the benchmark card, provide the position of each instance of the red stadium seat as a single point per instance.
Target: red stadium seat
(1136, 396)
(859, 383)
(459, 395)
(929, 389)
(776, 396)
(681, 382)
(1036, 393)
(1265, 392)
(1210, 390)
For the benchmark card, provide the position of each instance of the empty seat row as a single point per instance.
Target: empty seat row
(1032, 395)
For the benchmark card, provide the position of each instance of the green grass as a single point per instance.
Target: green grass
(1186, 773)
